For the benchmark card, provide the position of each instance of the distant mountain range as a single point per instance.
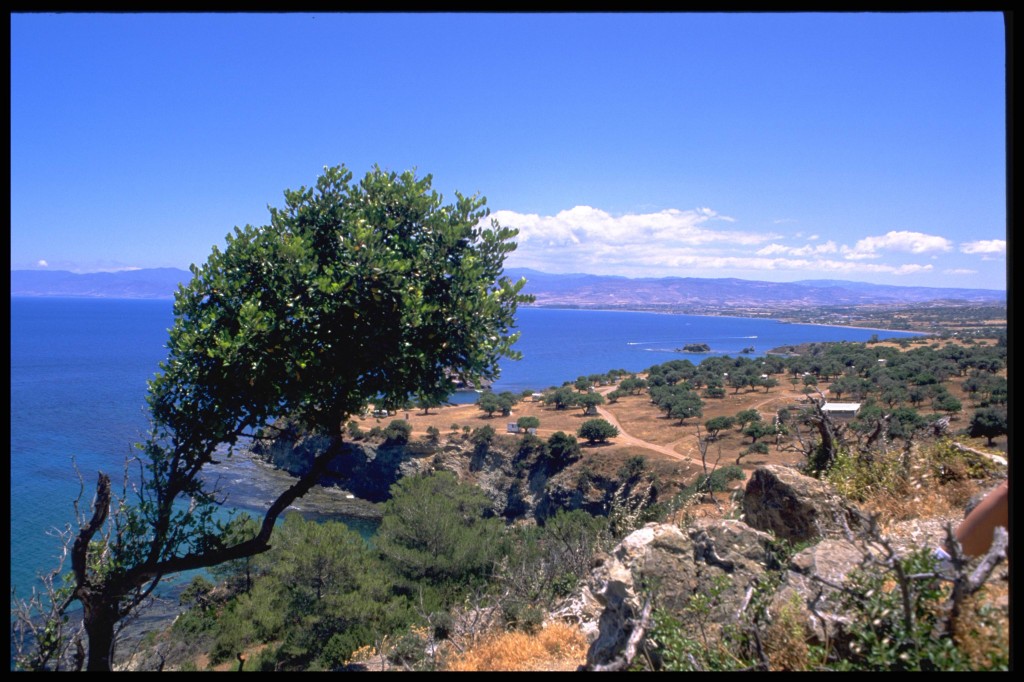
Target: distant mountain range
(694, 293)
(575, 290)
(145, 283)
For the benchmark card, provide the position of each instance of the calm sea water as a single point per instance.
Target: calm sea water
(79, 371)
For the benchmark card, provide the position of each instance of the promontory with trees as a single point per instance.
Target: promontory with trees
(494, 545)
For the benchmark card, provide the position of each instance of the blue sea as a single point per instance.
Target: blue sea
(79, 369)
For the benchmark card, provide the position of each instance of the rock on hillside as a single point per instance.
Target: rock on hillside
(732, 558)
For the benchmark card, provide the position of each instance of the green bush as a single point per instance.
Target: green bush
(718, 480)
(398, 432)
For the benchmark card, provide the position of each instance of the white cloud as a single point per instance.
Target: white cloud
(698, 243)
(800, 251)
(901, 240)
(985, 246)
(959, 271)
(42, 263)
(773, 249)
(587, 225)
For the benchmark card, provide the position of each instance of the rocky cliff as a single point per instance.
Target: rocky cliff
(521, 482)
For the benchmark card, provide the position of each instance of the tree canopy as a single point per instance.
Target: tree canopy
(355, 292)
(597, 430)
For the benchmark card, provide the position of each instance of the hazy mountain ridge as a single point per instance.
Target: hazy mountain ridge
(685, 292)
(573, 290)
(151, 283)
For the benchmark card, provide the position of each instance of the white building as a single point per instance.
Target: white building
(841, 410)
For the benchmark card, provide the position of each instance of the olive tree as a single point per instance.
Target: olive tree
(363, 292)
(597, 430)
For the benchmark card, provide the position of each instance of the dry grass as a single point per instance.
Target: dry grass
(785, 640)
(557, 647)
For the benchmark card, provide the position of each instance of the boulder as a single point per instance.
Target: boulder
(794, 507)
(806, 591)
(670, 566)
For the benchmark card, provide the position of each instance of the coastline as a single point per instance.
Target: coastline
(766, 317)
(255, 484)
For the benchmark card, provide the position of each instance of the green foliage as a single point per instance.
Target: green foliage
(759, 429)
(324, 593)
(200, 614)
(944, 402)
(528, 422)
(696, 643)
(563, 449)
(482, 437)
(718, 480)
(434, 529)
(632, 469)
(398, 432)
(238, 574)
(753, 449)
(897, 628)
(530, 446)
(374, 291)
(597, 430)
(989, 423)
(716, 424)
(904, 422)
(561, 398)
(590, 401)
(489, 402)
(353, 293)
(860, 477)
(745, 417)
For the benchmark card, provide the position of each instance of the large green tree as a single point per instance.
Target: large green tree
(355, 292)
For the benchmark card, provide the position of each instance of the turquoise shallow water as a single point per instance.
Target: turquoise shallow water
(79, 370)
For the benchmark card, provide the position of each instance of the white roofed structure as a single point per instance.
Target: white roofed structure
(841, 410)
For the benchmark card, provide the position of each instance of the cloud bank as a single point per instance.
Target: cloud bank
(701, 242)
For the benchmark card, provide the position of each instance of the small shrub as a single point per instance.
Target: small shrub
(482, 436)
(718, 480)
(398, 431)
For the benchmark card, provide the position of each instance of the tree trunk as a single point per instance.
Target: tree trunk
(99, 626)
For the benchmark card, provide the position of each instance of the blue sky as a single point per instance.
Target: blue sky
(779, 147)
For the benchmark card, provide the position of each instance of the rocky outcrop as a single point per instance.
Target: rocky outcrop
(519, 484)
(807, 588)
(720, 557)
(367, 470)
(727, 561)
(794, 507)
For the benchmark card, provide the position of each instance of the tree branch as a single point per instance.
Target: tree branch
(257, 545)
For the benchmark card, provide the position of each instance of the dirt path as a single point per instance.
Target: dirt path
(625, 438)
